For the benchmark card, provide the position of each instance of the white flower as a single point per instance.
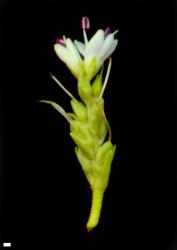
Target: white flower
(94, 52)
(69, 54)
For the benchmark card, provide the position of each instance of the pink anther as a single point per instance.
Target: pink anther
(85, 23)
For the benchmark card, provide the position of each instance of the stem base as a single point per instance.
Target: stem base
(97, 200)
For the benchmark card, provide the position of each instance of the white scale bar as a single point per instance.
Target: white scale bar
(6, 244)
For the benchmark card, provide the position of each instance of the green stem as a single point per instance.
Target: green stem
(97, 199)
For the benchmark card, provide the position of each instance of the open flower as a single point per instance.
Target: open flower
(88, 57)
(68, 53)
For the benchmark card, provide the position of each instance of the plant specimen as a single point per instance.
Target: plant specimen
(89, 127)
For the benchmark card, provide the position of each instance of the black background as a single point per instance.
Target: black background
(45, 196)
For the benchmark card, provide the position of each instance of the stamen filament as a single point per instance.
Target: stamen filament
(58, 108)
(85, 23)
(106, 78)
(62, 87)
(85, 37)
(109, 127)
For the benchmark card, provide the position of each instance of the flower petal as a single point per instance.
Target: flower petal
(73, 66)
(72, 50)
(92, 65)
(61, 52)
(108, 47)
(111, 50)
(80, 46)
(94, 44)
(67, 58)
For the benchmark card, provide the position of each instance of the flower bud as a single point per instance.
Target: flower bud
(79, 110)
(81, 130)
(85, 164)
(97, 86)
(102, 165)
(103, 129)
(85, 145)
(85, 90)
(95, 118)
